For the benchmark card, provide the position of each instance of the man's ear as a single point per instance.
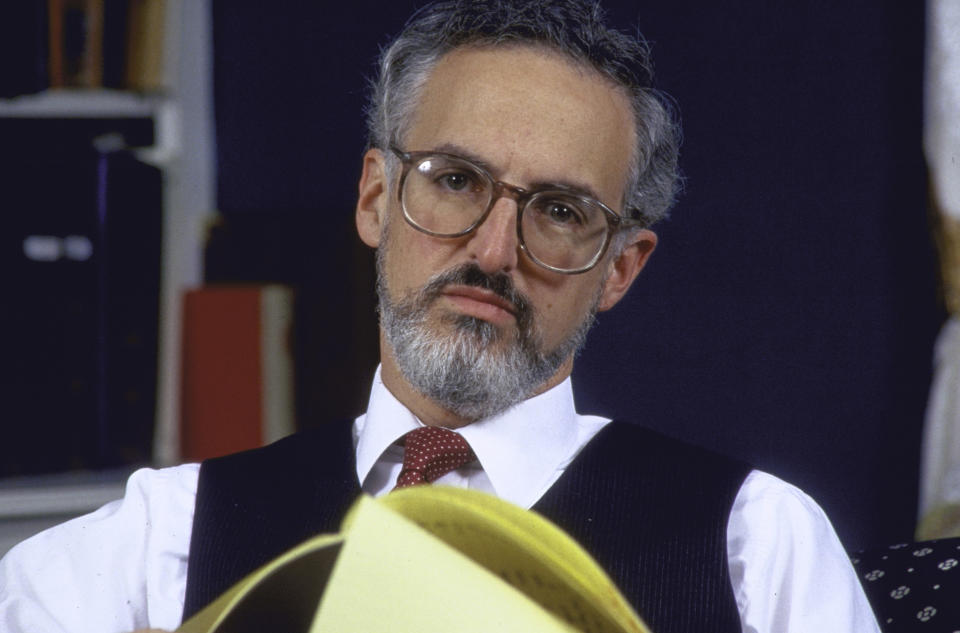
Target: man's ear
(373, 191)
(625, 267)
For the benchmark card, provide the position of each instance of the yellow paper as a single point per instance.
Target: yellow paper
(297, 578)
(532, 554)
(427, 558)
(393, 576)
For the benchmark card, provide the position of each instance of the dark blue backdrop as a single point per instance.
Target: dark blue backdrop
(789, 312)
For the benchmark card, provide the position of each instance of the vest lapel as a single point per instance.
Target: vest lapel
(253, 506)
(653, 511)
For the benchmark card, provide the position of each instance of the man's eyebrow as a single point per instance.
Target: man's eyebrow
(574, 187)
(463, 152)
(566, 185)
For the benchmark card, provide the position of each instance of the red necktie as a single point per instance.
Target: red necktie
(431, 452)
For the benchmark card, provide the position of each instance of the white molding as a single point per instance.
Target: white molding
(186, 146)
(31, 504)
(82, 103)
(39, 499)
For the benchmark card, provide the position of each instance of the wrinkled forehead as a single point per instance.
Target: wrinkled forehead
(532, 114)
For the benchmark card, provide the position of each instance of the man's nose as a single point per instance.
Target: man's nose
(493, 245)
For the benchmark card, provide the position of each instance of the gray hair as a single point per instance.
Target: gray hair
(574, 28)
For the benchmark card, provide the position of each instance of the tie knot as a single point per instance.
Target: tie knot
(431, 452)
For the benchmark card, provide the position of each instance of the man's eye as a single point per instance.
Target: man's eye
(454, 181)
(561, 213)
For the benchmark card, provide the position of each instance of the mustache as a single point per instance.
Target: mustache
(500, 284)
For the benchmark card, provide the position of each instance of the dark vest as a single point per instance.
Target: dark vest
(651, 510)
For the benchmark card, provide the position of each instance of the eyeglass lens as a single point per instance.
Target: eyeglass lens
(446, 196)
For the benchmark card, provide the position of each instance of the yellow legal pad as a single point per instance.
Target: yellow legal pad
(427, 558)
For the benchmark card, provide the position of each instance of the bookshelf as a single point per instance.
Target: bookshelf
(183, 150)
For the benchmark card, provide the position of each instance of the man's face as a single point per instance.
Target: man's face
(533, 119)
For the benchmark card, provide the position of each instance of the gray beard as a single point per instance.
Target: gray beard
(467, 371)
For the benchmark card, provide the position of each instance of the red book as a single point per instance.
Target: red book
(237, 371)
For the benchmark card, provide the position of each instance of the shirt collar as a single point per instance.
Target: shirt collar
(519, 449)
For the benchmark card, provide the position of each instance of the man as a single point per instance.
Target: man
(517, 159)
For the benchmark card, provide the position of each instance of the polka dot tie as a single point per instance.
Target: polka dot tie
(431, 452)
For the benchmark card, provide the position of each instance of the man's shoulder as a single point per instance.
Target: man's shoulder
(291, 452)
(276, 474)
(641, 468)
(634, 442)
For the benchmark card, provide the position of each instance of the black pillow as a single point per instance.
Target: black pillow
(913, 587)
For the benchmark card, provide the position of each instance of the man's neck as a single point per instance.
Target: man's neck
(430, 412)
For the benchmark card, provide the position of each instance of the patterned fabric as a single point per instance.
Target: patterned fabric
(431, 452)
(913, 587)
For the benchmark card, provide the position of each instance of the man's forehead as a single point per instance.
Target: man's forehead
(527, 113)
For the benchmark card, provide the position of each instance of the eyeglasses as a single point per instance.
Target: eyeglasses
(445, 195)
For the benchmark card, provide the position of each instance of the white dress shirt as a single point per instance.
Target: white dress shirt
(124, 567)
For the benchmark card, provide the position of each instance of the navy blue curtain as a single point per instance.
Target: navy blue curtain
(788, 314)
